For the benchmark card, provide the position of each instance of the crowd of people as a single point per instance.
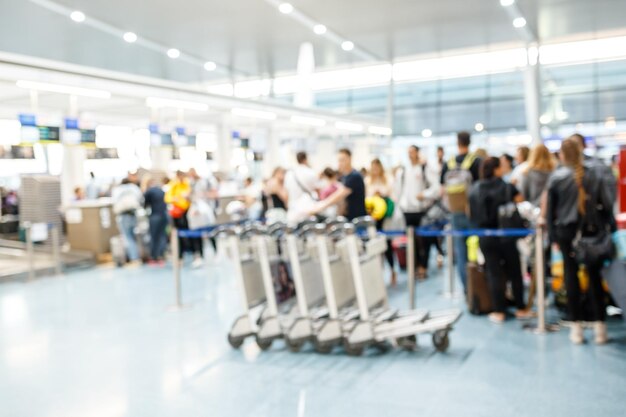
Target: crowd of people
(573, 193)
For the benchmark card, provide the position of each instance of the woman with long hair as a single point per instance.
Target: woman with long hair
(567, 219)
(377, 183)
(501, 255)
(541, 164)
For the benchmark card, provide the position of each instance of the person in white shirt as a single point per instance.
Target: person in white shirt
(521, 158)
(417, 188)
(302, 184)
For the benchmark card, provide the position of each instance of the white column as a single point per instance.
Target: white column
(272, 155)
(73, 172)
(306, 65)
(160, 157)
(224, 152)
(532, 95)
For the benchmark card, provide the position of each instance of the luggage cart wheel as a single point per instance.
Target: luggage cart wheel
(235, 342)
(352, 350)
(407, 342)
(264, 344)
(441, 340)
(323, 348)
(294, 345)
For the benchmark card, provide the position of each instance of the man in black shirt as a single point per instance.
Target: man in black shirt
(353, 191)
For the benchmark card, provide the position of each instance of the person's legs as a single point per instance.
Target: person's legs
(127, 224)
(570, 272)
(414, 219)
(513, 271)
(154, 236)
(460, 221)
(388, 254)
(497, 284)
(183, 243)
(596, 292)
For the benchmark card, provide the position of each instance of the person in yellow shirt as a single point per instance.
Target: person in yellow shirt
(178, 198)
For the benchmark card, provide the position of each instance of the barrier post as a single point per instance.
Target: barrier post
(540, 269)
(56, 250)
(30, 250)
(449, 286)
(410, 264)
(176, 265)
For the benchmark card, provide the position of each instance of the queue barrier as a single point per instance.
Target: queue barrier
(411, 233)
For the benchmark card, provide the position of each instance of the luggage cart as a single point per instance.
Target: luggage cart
(403, 327)
(311, 307)
(249, 278)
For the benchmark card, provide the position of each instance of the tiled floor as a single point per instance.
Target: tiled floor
(102, 343)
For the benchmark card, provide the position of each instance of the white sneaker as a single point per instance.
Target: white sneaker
(197, 263)
(576, 335)
(599, 328)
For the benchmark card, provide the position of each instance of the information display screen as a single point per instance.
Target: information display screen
(49, 134)
(88, 137)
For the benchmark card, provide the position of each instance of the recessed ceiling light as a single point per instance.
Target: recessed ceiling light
(479, 127)
(173, 53)
(610, 122)
(352, 127)
(309, 121)
(77, 16)
(254, 114)
(130, 37)
(285, 8)
(319, 29)
(506, 3)
(380, 130)
(210, 66)
(519, 22)
(427, 133)
(347, 46)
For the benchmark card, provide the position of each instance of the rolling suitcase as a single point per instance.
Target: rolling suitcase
(478, 297)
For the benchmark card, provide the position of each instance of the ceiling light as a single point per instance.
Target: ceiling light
(506, 3)
(353, 127)
(254, 114)
(610, 123)
(319, 29)
(77, 16)
(347, 46)
(130, 37)
(519, 22)
(173, 53)
(63, 89)
(545, 119)
(427, 133)
(309, 121)
(479, 127)
(210, 66)
(157, 102)
(380, 130)
(579, 126)
(285, 8)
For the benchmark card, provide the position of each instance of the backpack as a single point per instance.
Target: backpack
(457, 182)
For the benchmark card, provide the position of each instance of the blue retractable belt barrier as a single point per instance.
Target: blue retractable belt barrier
(428, 232)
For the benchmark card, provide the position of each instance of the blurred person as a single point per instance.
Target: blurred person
(363, 172)
(601, 170)
(521, 162)
(539, 167)
(79, 194)
(377, 183)
(251, 195)
(202, 210)
(416, 190)
(506, 165)
(154, 202)
(92, 190)
(302, 185)
(463, 169)
(439, 241)
(275, 196)
(133, 178)
(352, 191)
(127, 199)
(502, 257)
(481, 153)
(330, 179)
(178, 198)
(578, 207)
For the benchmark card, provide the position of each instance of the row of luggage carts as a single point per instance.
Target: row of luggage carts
(322, 284)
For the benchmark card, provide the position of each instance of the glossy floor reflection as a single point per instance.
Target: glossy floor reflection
(102, 343)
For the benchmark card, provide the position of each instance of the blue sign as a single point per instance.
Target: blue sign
(154, 128)
(180, 131)
(71, 123)
(27, 119)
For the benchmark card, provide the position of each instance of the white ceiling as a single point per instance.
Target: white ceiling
(252, 37)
